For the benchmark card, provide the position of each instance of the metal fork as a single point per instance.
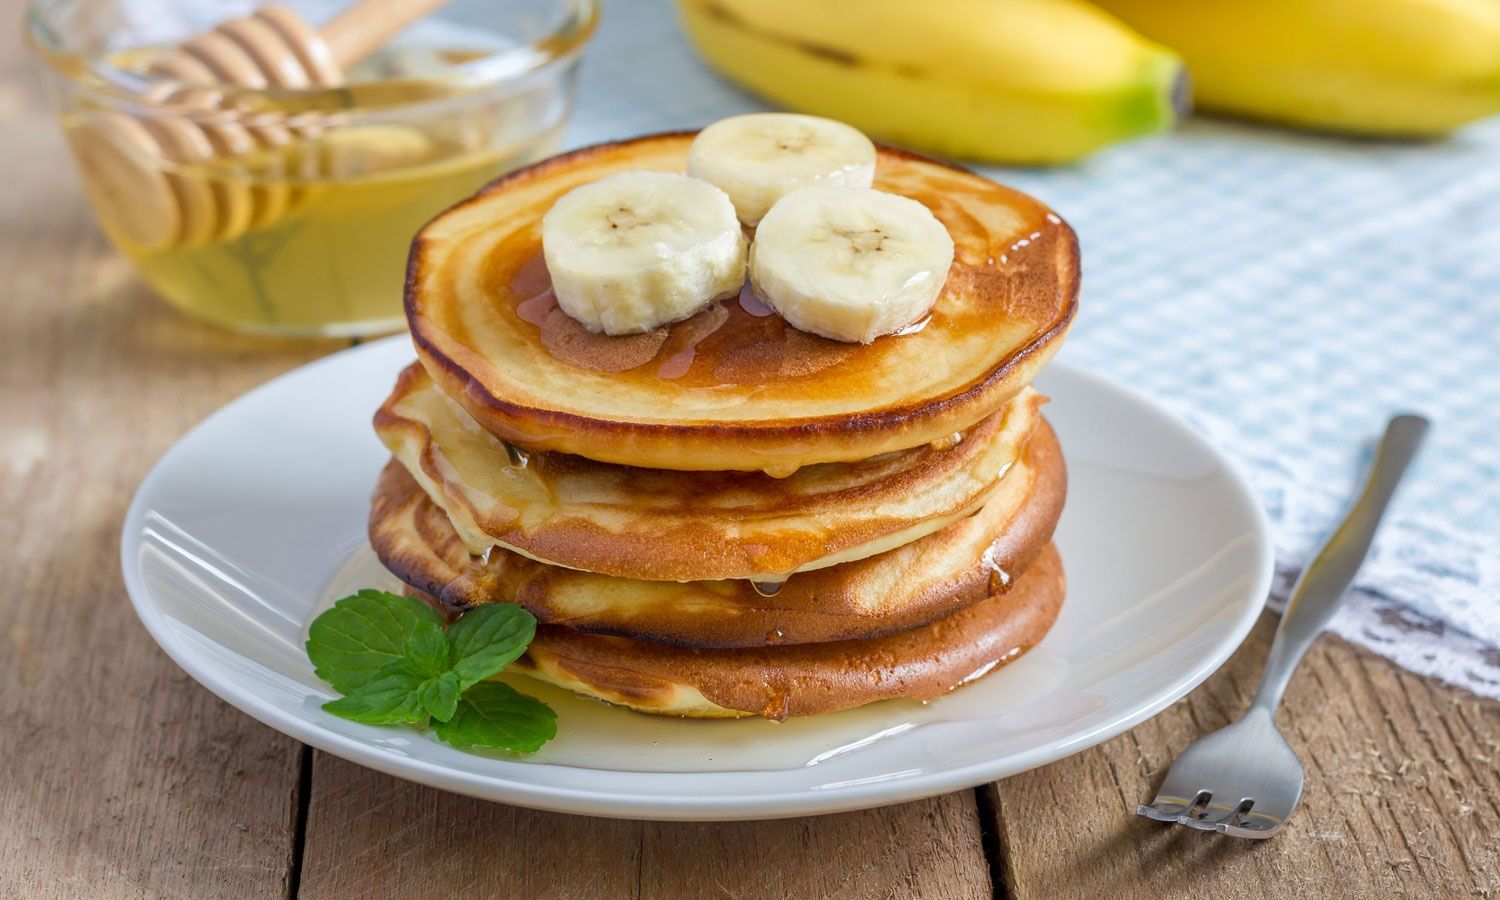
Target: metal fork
(1244, 780)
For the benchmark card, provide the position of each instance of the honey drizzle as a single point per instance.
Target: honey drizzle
(999, 579)
(767, 588)
(949, 442)
(751, 303)
(535, 310)
(913, 327)
(678, 364)
(756, 346)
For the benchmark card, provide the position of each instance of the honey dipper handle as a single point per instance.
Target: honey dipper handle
(364, 27)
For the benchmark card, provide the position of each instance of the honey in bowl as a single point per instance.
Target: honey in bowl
(336, 265)
(289, 210)
(329, 254)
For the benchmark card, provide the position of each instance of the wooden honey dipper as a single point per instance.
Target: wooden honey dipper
(153, 209)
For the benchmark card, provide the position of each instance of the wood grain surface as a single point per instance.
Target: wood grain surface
(367, 831)
(120, 777)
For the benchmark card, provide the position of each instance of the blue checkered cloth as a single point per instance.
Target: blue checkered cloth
(1283, 293)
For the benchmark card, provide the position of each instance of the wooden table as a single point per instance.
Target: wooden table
(119, 776)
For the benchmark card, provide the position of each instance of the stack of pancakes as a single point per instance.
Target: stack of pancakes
(727, 516)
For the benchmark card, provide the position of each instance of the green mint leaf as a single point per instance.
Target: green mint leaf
(496, 716)
(487, 639)
(439, 696)
(354, 640)
(426, 650)
(390, 698)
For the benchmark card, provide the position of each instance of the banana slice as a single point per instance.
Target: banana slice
(638, 250)
(850, 264)
(759, 158)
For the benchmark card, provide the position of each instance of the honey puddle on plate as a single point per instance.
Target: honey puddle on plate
(595, 735)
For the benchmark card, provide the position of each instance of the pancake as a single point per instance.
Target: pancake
(804, 679)
(689, 526)
(895, 591)
(733, 388)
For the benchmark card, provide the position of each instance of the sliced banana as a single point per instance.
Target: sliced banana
(850, 264)
(638, 250)
(759, 158)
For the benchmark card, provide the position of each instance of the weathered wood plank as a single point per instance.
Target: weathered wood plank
(119, 776)
(1400, 794)
(374, 836)
(928, 849)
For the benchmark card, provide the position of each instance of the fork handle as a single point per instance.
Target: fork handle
(1322, 586)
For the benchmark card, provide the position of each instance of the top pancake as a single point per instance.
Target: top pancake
(729, 389)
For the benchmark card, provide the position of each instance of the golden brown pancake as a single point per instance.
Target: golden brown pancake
(690, 526)
(729, 389)
(894, 591)
(804, 679)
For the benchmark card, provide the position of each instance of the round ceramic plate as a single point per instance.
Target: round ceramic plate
(255, 521)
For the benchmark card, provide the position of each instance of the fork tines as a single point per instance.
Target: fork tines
(1202, 813)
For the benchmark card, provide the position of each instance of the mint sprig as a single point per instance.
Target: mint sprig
(390, 698)
(489, 638)
(496, 716)
(350, 643)
(396, 665)
(426, 650)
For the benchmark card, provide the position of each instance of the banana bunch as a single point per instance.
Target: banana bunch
(1011, 81)
(1376, 67)
(1046, 81)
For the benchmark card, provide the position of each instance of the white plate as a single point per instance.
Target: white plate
(256, 519)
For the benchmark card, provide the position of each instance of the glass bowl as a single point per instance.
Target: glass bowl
(290, 210)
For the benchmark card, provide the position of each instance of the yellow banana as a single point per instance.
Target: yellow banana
(1017, 81)
(1377, 67)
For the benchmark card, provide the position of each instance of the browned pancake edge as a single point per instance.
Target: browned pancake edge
(806, 679)
(879, 595)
